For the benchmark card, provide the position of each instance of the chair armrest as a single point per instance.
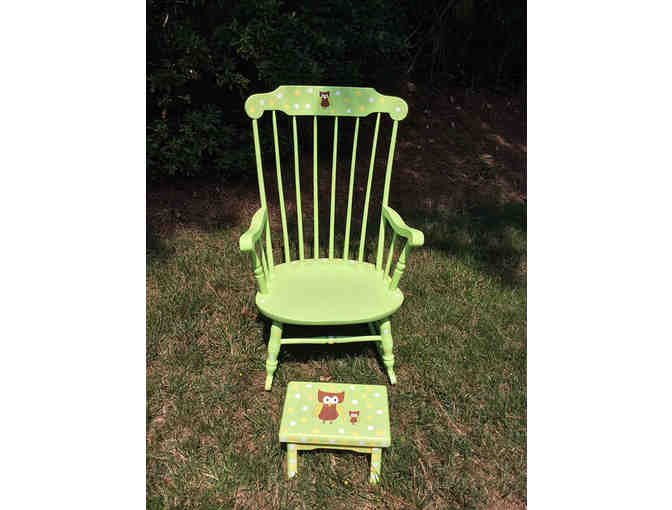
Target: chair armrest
(414, 236)
(253, 233)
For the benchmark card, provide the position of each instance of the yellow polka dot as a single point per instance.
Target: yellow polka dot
(304, 419)
(361, 108)
(332, 110)
(284, 431)
(331, 387)
(290, 409)
(297, 92)
(345, 99)
(379, 433)
(315, 431)
(369, 418)
(363, 395)
(286, 106)
(355, 433)
(369, 406)
(271, 102)
(357, 92)
(252, 109)
(382, 99)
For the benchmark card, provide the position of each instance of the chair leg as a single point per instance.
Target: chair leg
(386, 343)
(273, 350)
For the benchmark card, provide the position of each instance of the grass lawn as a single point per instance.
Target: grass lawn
(458, 412)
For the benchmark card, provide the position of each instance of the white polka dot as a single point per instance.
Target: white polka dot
(374, 464)
(284, 439)
(332, 440)
(307, 105)
(370, 100)
(385, 331)
(292, 423)
(361, 443)
(309, 90)
(379, 411)
(309, 385)
(298, 395)
(377, 395)
(292, 446)
(352, 387)
(305, 408)
(397, 109)
(348, 110)
(384, 443)
(303, 439)
(370, 427)
(341, 431)
(355, 401)
(296, 106)
(279, 95)
(292, 473)
(292, 461)
(338, 92)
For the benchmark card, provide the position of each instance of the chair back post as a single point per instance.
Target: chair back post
(281, 195)
(262, 191)
(386, 195)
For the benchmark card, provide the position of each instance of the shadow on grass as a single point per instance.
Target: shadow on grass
(304, 353)
(155, 246)
(492, 237)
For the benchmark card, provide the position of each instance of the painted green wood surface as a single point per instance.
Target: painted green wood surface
(327, 292)
(342, 101)
(335, 290)
(346, 415)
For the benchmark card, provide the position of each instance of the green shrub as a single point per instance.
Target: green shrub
(205, 57)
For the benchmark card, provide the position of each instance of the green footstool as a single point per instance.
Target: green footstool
(337, 417)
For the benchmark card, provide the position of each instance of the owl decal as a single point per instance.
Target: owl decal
(324, 96)
(354, 416)
(329, 407)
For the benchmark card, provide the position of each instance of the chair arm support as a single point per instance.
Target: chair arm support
(414, 236)
(253, 234)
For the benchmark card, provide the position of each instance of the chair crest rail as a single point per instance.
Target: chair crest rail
(325, 100)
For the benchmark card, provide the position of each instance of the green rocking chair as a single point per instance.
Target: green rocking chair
(336, 290)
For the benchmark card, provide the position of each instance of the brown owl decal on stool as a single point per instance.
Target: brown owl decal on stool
(329, 407)
(354, 415)
(325, 98)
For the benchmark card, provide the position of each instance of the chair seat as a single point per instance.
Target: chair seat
(328, 292)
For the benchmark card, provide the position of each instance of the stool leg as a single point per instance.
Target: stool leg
(376, 458)
(273, 350)
(388, 356)
(292, 464)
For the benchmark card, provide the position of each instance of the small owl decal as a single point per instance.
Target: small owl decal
(329, 407)
(354, 415)
(325, 99)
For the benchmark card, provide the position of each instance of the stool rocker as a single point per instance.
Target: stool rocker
(341, 288)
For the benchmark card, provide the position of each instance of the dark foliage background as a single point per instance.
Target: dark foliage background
(204, 57)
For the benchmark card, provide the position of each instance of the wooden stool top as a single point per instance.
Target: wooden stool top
(335, 414)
